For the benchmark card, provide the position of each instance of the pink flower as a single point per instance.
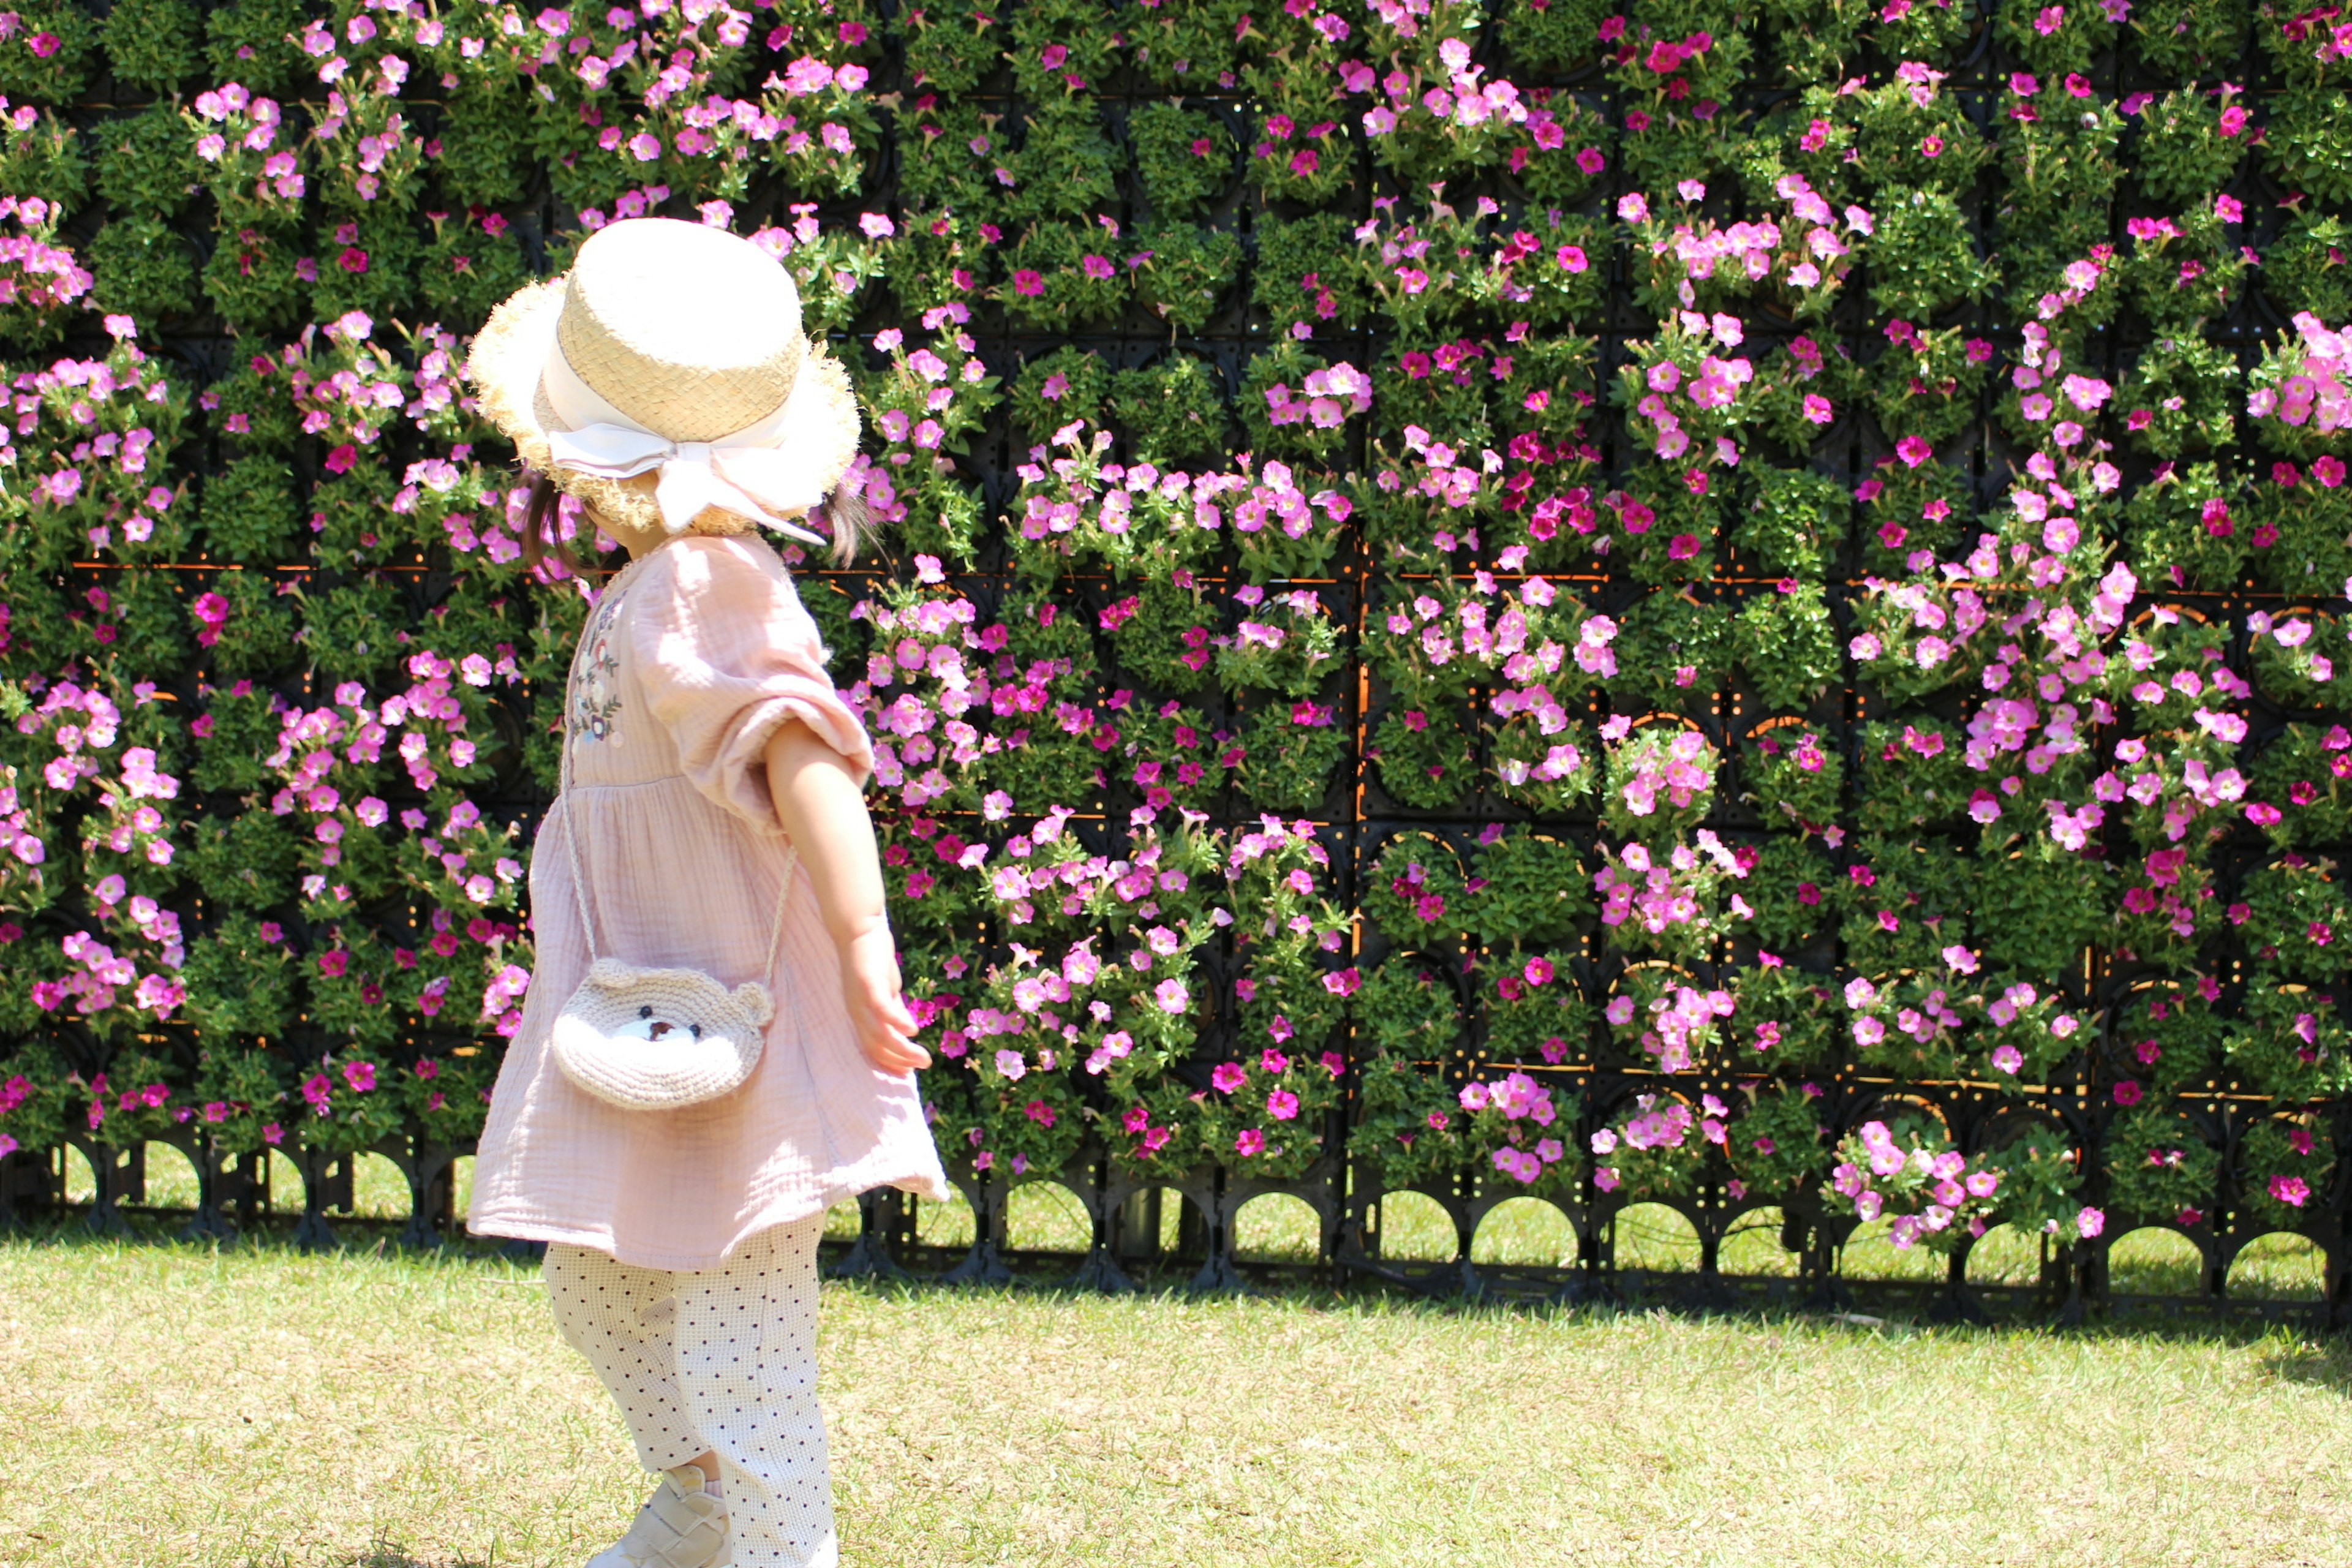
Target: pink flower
(1227, 1076)
(1028, 281)
(361, 1076)
(1251, 1142)
(1913, 451)
(1282, 1105)
(2293, 1191)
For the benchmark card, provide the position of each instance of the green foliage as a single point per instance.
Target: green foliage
(254, 42)
(144, 270)
(1182, 156)
(50, 54)
(1787, 646)
(2306, 144)
(1185, 273)
(2285, 1164)
(1796, 522)
(1173, 411)
(2305, 268)
(152, 44)
(1924, 259)
(2185, 38)
(1054, 389)
(42, 154)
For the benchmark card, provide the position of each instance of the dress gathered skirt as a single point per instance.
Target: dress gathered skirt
(693, 656)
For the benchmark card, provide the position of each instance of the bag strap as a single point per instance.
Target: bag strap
(571, 823)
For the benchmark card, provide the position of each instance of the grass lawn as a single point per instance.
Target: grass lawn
(163, 1403)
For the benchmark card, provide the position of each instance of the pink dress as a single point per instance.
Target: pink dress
(695, 654)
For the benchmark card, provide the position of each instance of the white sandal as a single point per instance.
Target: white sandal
(682, 1525)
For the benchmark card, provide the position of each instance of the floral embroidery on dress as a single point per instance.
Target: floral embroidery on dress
(596, 694)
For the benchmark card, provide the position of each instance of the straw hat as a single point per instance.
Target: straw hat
(663, 381)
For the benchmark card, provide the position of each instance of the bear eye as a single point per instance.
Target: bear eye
(644, 1011)
(698, 1030)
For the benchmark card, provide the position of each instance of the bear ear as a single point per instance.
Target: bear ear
(608, 974)
(757, 1004)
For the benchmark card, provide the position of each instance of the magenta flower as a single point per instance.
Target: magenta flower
(1251, 1142)
(1282, 1105)
(1227, 1076)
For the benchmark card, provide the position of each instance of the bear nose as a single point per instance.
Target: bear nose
(658, 1030)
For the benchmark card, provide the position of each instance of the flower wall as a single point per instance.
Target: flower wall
(1728, 604)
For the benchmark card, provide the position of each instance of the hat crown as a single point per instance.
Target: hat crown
(691, 332)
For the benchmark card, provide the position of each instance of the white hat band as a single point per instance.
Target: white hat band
(748, 471)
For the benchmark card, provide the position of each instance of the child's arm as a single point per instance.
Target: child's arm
(823, 811)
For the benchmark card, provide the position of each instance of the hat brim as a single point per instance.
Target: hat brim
(506, 364)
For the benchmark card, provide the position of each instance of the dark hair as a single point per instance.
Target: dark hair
(539, 540)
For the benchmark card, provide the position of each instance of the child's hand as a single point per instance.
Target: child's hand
(877, 1013)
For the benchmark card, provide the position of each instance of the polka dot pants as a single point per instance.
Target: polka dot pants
(724, 1359)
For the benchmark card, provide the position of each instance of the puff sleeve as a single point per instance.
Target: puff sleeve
(725, 653)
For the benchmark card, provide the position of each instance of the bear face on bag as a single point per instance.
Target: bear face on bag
(654, 1039)
(646, 1027)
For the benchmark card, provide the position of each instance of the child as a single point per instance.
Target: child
(664, 382)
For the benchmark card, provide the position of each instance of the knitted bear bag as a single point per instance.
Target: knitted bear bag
(656, 1039)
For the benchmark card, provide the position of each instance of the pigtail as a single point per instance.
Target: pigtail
(846, 517)
(540, 543)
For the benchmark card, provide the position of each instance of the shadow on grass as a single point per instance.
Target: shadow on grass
(2296, 1351)
(2321, 1363)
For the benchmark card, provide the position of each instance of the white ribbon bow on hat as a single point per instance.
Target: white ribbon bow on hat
(745, 472)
